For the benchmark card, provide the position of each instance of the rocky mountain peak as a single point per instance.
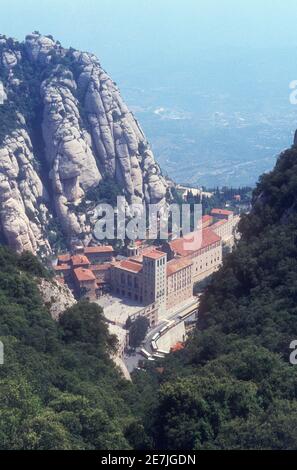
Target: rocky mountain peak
(64, 128)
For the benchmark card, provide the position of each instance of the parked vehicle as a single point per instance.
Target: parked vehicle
(145, 353)
(154, 345)
(158, 355)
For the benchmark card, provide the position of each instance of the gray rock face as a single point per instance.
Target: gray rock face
(85, 133)
(23, 198)
(68, 148)
(56, 297)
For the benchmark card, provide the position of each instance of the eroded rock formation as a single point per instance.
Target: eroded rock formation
(56, 297)
(67, 129)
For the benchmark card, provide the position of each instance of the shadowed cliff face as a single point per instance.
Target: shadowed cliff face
(63, 128)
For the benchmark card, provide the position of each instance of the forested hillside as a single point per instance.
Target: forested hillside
(58, 387)
(233, 386)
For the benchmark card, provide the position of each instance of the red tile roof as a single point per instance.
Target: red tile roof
(100, 267)
(99, 249)
(79, 259)
(219, 223)
(221, 212)
(154, 254)
(144, 251)
(64, 258)
(186, 246)
(83, 274)
(62, 267)
(176, 265)
(207, 219)
(130, 265)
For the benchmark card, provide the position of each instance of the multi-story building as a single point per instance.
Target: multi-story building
(161, 277)
(150, 312)
(126, 279)
(154, 278)
(64, 259)
(80, 261)
(221, 214)
(150, 278)
(102, 273)
(82, 274)
(85, 282)
(99, 254)
(207, 220)
(225, 226)
(204, 251)
(63, 271)
(141, 279)
(179, 281)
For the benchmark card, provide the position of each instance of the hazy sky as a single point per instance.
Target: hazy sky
(127, 31)
(196, 58)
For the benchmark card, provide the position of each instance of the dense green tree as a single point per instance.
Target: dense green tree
(84, 323)
(59, 389)
(137, 331)
(232, 386)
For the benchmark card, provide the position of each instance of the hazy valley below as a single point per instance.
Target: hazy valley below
(214, 122)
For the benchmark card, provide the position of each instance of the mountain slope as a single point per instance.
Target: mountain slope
(233, 386)
(64, 128)
(59, 389)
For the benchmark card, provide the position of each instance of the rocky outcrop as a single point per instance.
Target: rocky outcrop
(23, 198)
(56, 297)
(68, 148)
(82, 132)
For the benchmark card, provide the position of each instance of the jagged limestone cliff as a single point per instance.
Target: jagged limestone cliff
(56, 297)
(63, 128)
